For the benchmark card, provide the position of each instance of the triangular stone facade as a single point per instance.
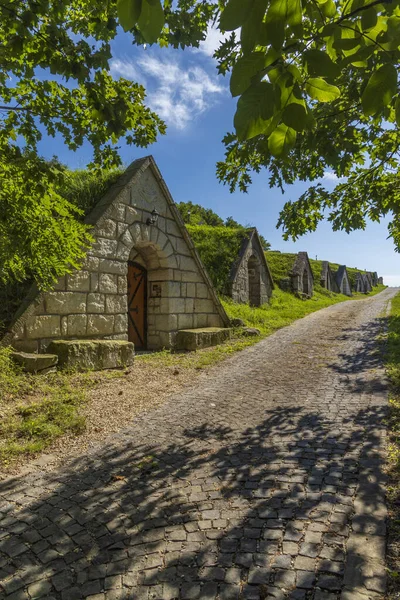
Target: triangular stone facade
(327, 277)
(343, 281)
(359, 283)
(301, 277)
(93, 302)
(374, 277)
(367, 283)
(250, 277)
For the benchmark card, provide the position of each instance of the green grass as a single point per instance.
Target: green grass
(280, 264)
(393, 497)
(35, 410)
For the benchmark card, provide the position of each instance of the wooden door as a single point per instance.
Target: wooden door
(137, 305)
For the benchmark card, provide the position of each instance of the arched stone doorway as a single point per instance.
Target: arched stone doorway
(253, 268)
(150, 287)
(137, 305)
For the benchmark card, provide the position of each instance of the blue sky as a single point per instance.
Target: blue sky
(186, 91)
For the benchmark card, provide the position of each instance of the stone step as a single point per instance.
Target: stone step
(93, 354)
(35, 363)
(194, 339)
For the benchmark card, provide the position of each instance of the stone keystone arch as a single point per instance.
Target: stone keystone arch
(92, 302)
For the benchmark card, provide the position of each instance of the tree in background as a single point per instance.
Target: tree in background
(195, 214)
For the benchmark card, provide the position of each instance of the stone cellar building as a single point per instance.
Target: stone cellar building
(301, 277)
(250, 278)
(366, 283)
(142, 280)
(343, 281)
(359, 283)
(327, 277)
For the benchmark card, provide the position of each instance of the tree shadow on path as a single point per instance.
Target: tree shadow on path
(221, 513)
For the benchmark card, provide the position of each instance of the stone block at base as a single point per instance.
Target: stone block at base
(93, 354)
(35, 363)
(194, 339)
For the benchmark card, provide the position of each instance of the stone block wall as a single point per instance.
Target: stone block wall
(92, 302)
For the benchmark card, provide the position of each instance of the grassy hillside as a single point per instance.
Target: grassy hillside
(218, 248)
(281, 263)
(393, 369)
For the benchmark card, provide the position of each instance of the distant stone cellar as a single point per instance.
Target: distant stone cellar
(250, 278)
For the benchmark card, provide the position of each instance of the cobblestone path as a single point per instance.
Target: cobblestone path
(263, 480)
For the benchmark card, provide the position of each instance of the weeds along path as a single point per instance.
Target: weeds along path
(262, 480)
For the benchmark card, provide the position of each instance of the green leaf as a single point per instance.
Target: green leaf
(288, 11)
(151, 20)
(319, 63)
(281, 140)
(328, 8)
(380, 89)
(369, 18)
(295, 116)
(235, 14)
(349, 41)
(280, 14)
(393, 27)
(255, 107)
(283, 86)
(397, 111)
(319, 89)
(275, 31)
(128, 13)
(252, 28)
(244, 70)
(295, 72)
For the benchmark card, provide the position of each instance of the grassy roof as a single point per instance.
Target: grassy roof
(85, 188)
(281, 263)
(218, 248)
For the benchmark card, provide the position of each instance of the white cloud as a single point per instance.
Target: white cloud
(125, 69)
(178, 94)
(331, 176)
(212, 42)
